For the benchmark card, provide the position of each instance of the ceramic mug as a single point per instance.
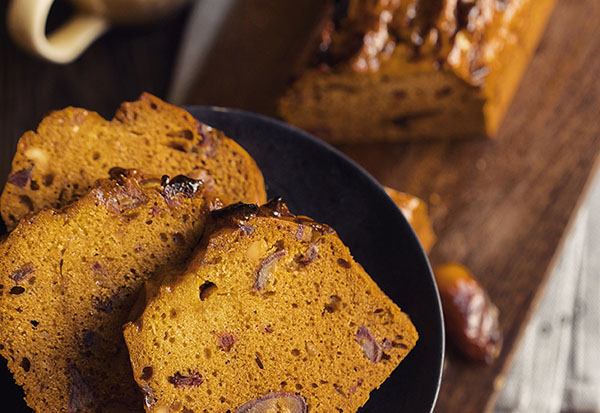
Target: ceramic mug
(26, 21)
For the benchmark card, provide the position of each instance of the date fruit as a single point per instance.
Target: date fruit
(470, 316)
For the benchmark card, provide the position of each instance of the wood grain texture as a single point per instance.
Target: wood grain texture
(557, 368)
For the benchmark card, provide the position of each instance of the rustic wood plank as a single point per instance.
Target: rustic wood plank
(557, 366)
(582, 392)
(537, 380)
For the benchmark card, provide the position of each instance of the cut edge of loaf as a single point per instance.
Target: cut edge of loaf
(73, 147)
(186, 372)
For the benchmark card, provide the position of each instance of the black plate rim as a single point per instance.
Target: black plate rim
(334, 151)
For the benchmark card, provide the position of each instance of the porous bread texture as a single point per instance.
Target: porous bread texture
(73, 147)
(272, 307)
(68, 280)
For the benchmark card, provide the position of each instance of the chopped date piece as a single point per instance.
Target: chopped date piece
(275, 402)
(180, 184)
(22, 273)
(193, 380)
(247, 229)
(263, 273)
(20, 178)
(311, 254)
(471, 317)
(369, 345)
(226, 341)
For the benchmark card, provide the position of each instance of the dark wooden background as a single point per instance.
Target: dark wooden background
(501, 207)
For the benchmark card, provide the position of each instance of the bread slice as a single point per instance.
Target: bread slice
(389, 70)
(73, 147)
(271, 311)
(68, 280)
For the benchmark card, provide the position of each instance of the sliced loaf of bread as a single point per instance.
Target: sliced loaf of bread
(73, 147)
(68, 280)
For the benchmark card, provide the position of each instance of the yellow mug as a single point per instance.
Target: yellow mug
(26, 21)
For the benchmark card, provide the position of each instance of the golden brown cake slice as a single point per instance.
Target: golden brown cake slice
(271, 313)
(68, 279)
(389, 70)
(73, 147)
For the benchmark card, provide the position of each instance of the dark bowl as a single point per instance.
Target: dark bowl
(318, 181)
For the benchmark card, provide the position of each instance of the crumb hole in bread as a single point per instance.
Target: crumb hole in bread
(47, 179)
(35, 323)
(178, 239)
(25, 364)
(153, 105)
(34, 185)
(177, 146)
(295, 352)
(25, 200)
(207, 289)
(17, 290)
(147, 373)
(258, 361)
(96, 156)
(299, 386)
(207, 353)
(334, 304)
(163, 237)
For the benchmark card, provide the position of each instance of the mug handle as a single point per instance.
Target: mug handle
(26, 21)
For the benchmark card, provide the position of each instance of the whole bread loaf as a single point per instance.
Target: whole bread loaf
(68, 280)
(271, 314)
(73, 147)
(388, 70)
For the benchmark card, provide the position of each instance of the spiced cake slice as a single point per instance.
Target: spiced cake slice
(68, 280)
(272, 312)
(73, 147)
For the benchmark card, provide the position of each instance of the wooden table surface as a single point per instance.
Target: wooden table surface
(501, 207)
(557, 365)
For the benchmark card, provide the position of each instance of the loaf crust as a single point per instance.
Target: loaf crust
(271, 309)
(390, 70)
(69, 278)
(73, 147)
